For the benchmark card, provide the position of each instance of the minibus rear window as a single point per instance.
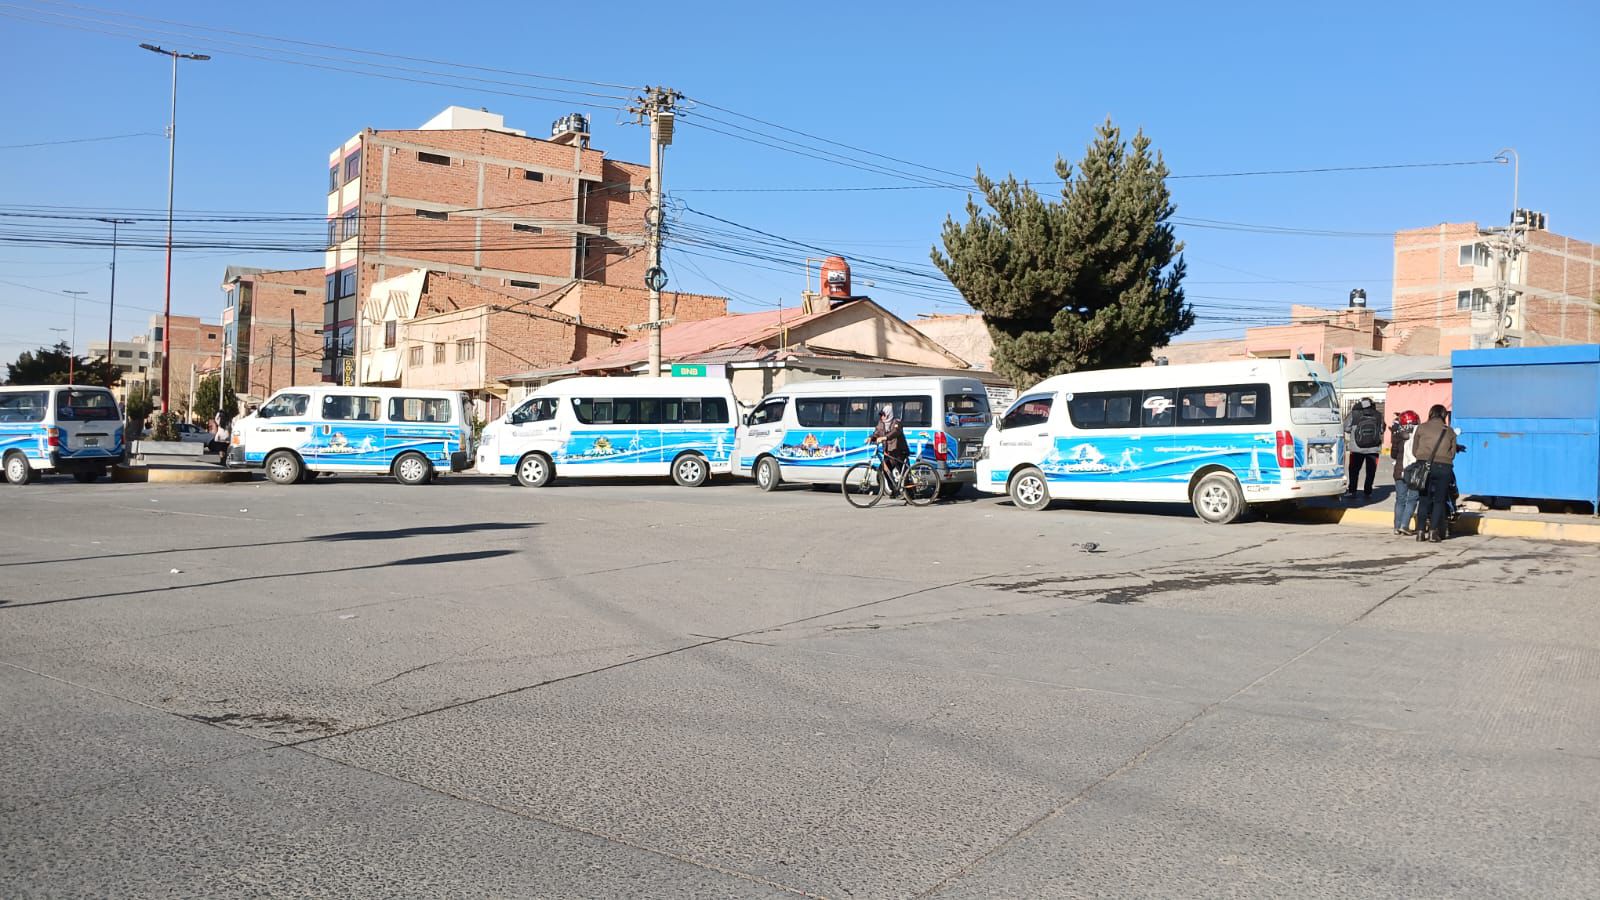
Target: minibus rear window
(966, 411)
(86, 406)
(23, 406)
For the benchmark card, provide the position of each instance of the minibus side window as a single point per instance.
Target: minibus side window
(286, 405)
(23, 406)
(713, 410)
(819, 412)
(417, 409)
(592, 411)
(1103, 409)
(338, 407)
(1159, 408)
(858, 413)
(1234, 404)
(1028, 411)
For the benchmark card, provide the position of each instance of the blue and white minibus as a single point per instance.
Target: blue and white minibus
(72, 429)
(301, 432)
(811, 431)
(1221, 436)
(615, 427)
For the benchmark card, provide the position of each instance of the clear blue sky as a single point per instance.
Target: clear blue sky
(1006, 86)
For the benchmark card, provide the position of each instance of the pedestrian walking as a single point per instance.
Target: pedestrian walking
(1363, 432)
(1434, 443)
(1403, 450)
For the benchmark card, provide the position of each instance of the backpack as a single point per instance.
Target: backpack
(1368, 432)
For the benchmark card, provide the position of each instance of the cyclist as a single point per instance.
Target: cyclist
(896, 449)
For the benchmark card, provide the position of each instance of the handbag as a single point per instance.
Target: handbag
(1416, 475)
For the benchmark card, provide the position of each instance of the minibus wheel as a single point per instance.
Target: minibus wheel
(533, 470)
(1217, 498)
(17, 471)
(412, 468)
(768, 476)
(283, 467)
(690, 470)
(1029, 489)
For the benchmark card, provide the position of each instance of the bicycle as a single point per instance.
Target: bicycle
(869, 481)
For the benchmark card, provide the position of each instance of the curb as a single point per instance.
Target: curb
(1466, 523)
(147, 475)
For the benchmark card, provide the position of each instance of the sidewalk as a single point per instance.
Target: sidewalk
(178, 470)
(1379, 513)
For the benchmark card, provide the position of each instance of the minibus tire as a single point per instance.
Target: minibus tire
(534, 470)
(17, 469)
(1217, 498)
(1029, 489)
(768, 467)
(412, 469)
(690, 470)
(283, 467)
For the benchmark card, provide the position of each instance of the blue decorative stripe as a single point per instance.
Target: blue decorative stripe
(1252, 457)
(843, 447)
(615, 446)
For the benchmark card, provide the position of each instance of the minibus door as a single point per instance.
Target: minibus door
(763, 431)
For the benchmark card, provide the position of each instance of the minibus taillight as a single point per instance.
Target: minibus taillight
(1285, 450)
(53, 437)
(941, 446)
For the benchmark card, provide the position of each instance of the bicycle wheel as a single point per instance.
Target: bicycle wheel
(863, 485)
(922, 484)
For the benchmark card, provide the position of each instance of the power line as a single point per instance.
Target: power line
(87, 140)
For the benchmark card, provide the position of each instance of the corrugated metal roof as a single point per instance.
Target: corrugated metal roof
(1375, 372)
(690, 339)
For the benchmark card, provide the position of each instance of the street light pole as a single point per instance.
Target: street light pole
(172, 160)
(111, 314)
(72, 355)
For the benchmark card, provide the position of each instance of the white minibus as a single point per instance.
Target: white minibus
(811, 431)
(301, 432)
(615, 427)
(1221, 436)
(71, 429)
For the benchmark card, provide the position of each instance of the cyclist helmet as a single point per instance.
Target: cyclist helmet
(1409, 418)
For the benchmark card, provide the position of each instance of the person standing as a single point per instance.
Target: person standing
(1434, 442)
(1403, 450)
(1363, 432)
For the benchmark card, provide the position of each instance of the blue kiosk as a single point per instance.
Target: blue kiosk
(1530, 420)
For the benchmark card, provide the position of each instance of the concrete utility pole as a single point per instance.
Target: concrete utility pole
(657, 105)
(72, 358)
(111, 312)
(1508, 247)
(294, 354)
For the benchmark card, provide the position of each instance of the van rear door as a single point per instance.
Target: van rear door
(90, 423)
(966, 420)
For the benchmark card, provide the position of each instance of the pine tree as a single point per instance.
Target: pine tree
(1090, 282)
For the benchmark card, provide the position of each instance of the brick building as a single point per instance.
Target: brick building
(256, 318)
(466, 197)
(1458, 286)
(436, 330)
(196, 349)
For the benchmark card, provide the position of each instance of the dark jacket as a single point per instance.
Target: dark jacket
(1398, 435)
(894, 441)
(1429, 434)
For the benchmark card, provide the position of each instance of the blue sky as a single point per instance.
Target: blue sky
(1007, 86)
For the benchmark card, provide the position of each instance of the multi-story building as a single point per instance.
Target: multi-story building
(131, 357)
(469, 198)
(1459, 286)
(1334, 337)
(196, 351)
(272, 329)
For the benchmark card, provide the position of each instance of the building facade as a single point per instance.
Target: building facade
(131, 357)
(1334, 337)
(469, 198)
(196, 351)
(1458, 286)
(272, 329)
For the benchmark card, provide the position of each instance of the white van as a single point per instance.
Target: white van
(1221, 436)
(811, 431)
(71, 429)
(615, 427)
(302, 431)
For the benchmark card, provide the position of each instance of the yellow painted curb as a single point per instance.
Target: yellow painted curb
(147, 475)
(1466, 523)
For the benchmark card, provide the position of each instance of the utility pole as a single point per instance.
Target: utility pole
(272, 364)
(111, 313)
(657, 106)
(1507, 248)
(172, 164)
(72, 357)
(294, 355)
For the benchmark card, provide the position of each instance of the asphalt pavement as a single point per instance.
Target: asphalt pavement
(352, 688)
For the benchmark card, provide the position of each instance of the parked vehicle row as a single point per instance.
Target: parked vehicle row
(1221, 436)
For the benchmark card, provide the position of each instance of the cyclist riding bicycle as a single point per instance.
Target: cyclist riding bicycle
(896, 449)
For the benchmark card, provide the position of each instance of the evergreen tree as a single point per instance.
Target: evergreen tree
(53, 365)
(1091, 281)
(205, 398)
(140, 405)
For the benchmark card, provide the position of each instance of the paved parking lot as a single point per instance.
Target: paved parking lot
(352, 688)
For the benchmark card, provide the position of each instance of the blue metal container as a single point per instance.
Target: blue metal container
(1530, 420)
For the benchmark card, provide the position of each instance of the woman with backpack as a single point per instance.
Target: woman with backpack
(1363, 432)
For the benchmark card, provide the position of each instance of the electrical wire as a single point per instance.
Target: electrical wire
(87, 140)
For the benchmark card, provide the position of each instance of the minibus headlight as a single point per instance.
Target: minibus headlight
(983, 452)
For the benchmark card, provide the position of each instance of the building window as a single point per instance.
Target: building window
(299, 292)
(333, 232)
(155, 333)
(333, 178)
(416, 356)
(347, 282)
(349, 225)
(389, 329)
(1475, 300)
(124, 354)
(1473, 255)
(530, 285)
(531, 229)
(438, 354)
(143, 355)
(532, 175)
(432, 214)
(352, 166)
(466, 350)
(211, 335)
(1340, 361)
(436, 159)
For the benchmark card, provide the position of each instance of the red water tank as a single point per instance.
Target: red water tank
(836, 278)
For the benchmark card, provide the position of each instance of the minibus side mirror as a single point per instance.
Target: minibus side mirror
(999, 423)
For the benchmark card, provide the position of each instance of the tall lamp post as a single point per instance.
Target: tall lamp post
(111, 314)
(172, 157)
(72, 357)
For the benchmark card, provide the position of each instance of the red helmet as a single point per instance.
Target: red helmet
(1409, 418)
